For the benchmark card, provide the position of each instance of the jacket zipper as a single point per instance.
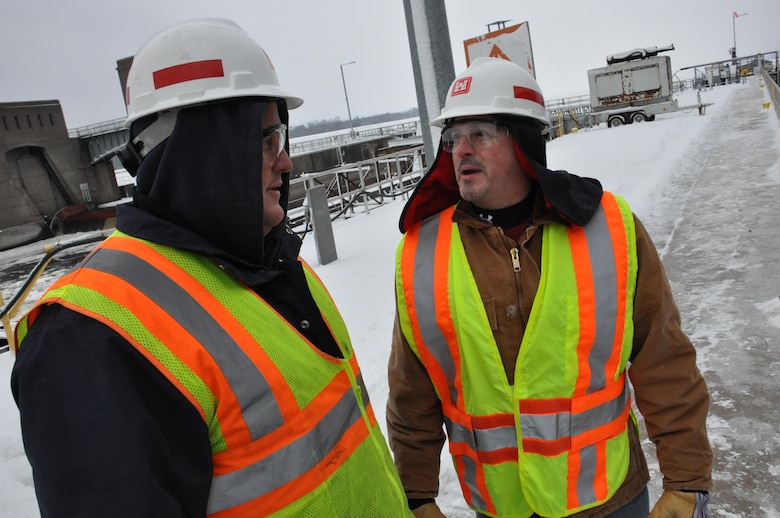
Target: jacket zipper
(515, 253)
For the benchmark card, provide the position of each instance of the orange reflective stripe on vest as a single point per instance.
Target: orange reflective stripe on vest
(427, 281)
(425, 271)
(599, 253)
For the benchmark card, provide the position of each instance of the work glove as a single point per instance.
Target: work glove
(428, 511)
(681, 504)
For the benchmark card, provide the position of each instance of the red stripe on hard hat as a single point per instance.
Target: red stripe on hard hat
(187, 72)
(528, 94)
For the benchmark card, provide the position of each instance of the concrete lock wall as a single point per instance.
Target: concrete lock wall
(42, 169)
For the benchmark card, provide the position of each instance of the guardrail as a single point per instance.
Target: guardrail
(774, 91)
(10, 309)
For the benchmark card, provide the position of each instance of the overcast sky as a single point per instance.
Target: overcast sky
(52, 49)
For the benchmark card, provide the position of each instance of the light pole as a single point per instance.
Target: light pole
(351, 129)
(734, 30)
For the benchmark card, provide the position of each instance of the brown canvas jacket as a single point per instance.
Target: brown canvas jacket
(668, 387)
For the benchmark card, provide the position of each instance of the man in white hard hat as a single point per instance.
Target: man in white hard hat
(193, 365)
(527, 299)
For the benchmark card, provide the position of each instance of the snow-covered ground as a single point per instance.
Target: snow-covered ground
(707, 188)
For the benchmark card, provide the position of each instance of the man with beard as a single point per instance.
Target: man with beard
(524, 295)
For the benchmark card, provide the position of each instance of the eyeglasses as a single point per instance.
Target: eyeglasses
(480, 134)
(274, 139)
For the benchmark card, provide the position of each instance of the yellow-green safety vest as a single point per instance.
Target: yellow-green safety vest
(292, 430)
(556, 442)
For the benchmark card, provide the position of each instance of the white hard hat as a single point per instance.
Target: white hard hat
(197, 61)
(494, 86)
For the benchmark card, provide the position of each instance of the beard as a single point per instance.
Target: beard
(473, 186)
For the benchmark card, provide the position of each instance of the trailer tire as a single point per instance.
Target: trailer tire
(615, 120)
(638, 117)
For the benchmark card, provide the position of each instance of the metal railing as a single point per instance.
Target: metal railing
(567, 103)
(100, 128)
(367, 183)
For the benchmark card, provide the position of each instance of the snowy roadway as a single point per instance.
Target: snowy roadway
(708, 191)
(722, 256)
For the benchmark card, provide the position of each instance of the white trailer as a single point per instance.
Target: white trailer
(635, 86)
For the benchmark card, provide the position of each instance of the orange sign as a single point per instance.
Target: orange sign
(512, 43)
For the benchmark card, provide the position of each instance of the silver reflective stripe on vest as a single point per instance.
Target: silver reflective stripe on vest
(470, 478)
(480, 440)
(483, 439)
(496, 438)
(261, 414)
(288, 463)
(551, 427)
(602, 260)
(586, 493)
(425, 305)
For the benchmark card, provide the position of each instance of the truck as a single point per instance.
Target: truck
(635, 86)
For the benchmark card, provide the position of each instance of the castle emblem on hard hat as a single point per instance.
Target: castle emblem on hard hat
(461, 86)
